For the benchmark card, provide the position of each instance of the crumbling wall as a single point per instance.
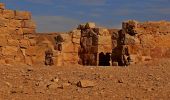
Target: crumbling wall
(15, 42)
(147, 40)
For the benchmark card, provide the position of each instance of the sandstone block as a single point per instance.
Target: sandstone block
(33, 42)
(31, 51)
(115, 64)
(28, 31)
(58, 59)
(146, 58)
(105, 48)
(90, 25)
(24, 43)
(9, 50)
(70, 57)
(28, 24)
(13, 42)
(104, 40)
(3, 22)
(28, 60)
(85, 84)
(3, 40)
(22, 15)
(2, 6)
(102, 31)
(76, 40)
(14, 23)
(19, 58)
(76, 34)
(8, 14)
(68, 47)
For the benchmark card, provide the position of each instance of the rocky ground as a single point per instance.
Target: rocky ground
(146, 81)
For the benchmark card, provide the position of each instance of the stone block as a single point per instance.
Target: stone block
(104, 40)
(8, 14)
(68, 47)
(28, 24)
(28, 60)
(70, 57)
(76, 40)
(85, 84)
(58, 59)
(13, 42)
(90, 25)
(22, 15)
(31, 51)
(3, 40)
(3, 22)
(28, 31)
(146, 58)
(2, 6)
(24, 43)
(14, 23)
(39, 52)
(76, 34)
(105, 48)
(9, 50)
(115, 64)
(33, 42)
(103, 31)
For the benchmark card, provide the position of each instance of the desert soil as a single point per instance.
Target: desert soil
(145, 81)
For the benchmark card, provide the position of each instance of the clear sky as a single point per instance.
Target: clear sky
(64, 15)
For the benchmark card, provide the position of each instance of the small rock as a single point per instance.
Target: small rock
(85, 84)
(120, 81)
(8, 84)
(30, 69)
(53, 86)
(65, 85)
(55, 80)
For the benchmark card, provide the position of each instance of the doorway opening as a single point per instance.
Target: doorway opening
(104, 59)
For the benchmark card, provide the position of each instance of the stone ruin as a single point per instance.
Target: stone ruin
(87, 45)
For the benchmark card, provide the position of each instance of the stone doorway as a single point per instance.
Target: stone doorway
(104, 59)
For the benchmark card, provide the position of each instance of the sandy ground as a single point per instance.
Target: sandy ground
(146, 81)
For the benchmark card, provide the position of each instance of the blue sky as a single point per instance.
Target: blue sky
(64, 15)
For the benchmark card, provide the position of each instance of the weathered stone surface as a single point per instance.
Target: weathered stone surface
(13, 42)
(22, 15)
(104, 40)
(8, 14)
(24, 43)
(103, 31)
(76, 34)
(2, 6)
(14, 23)
(3, 40)
(3, 22)
(28, 24)
(85, 84)
(105, 48)
(31, 51)
(90, 25)
(28, 31)
(70, 56)
(28, 60)
(9, 50)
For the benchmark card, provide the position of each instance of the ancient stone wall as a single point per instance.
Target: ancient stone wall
(14, 29)
(148, 39)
